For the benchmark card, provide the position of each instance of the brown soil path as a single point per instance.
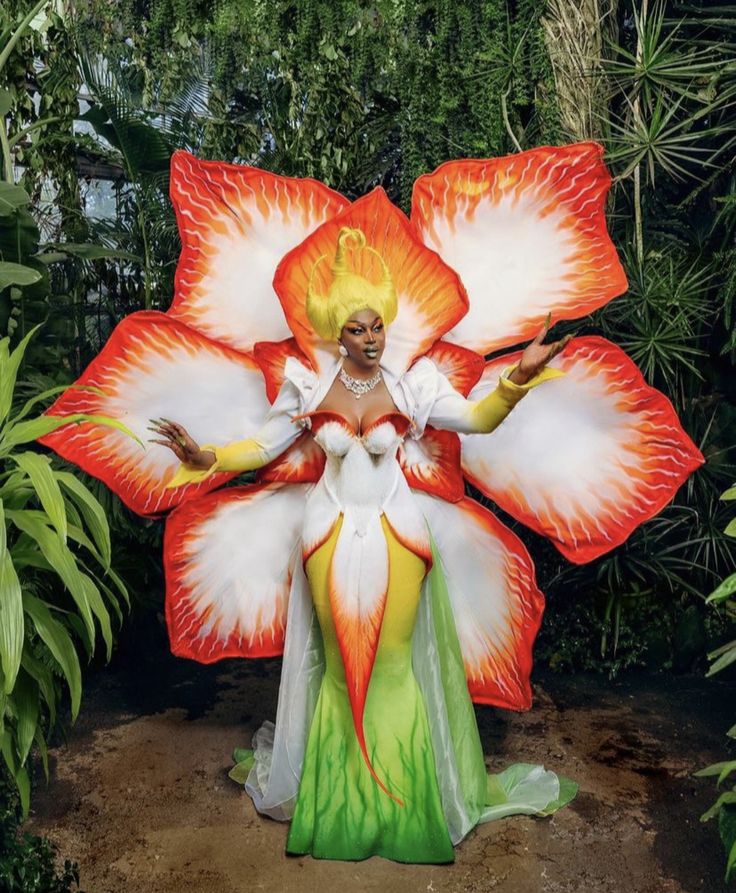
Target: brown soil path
(140, 795)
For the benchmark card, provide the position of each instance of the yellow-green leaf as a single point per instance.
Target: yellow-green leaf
(100, 611)
(38, 469)
(11, 612)
(60, 558)
(43, 676)
(92, 512)
(25, 432)
(25, 698)
(726, 589)
(59, 643)
(9, 365)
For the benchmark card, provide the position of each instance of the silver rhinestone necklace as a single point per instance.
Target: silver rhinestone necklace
(359, 386)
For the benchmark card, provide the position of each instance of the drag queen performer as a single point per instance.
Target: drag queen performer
(369, 780)
(395, 599)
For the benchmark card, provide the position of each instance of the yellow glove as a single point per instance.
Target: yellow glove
(488, 413)
(242, 455)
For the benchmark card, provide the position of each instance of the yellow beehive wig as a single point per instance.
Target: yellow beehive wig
(349, 292)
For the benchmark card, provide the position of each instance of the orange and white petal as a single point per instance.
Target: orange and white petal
(494, 597)
(229, 558)
(432, 464)
(271, 356)
(431, 298)
(236, 223)
(527, 234)
(153, 367)
(303, 462)
(407, 522)
(358, 602)
(583, 459)
(462, 367)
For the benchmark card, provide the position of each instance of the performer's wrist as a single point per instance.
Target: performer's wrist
(204, 459)
(518, 377)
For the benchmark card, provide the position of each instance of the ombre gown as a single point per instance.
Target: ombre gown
(376, 748)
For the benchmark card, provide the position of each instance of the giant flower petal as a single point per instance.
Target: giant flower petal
(236, 223)
(462, 367)
(271, 356)
(586, 458)
(153, 366)
(527, 234)
(303, 462)
(432, 464)
(229, 559)
(431, 297)
(494, 598)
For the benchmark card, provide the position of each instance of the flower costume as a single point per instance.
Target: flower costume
(393, 597)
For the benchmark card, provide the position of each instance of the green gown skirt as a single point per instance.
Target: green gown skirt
(341, 812)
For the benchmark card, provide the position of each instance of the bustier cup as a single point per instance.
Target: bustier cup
(377, 437)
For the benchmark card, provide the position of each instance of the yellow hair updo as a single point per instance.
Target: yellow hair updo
(349, 292)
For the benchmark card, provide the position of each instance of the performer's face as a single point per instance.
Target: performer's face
(364, 338)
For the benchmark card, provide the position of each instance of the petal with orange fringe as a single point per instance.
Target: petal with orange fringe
(271, 356)
(358, 601)
(432, 464)
(153, 366)
(586, 458)
(527, 234)
(462, 367)
(227, 575)
(236, 222)
(303, 462)
(431, 298)
(494, 598)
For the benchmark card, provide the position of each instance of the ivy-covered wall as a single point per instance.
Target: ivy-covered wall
(353, 93)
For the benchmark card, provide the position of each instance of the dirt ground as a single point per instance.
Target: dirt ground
(139, 794)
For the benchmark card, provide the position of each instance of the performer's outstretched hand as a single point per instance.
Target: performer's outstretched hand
(536, 355)
(179, 441)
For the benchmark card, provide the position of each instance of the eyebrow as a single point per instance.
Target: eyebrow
(358, 323)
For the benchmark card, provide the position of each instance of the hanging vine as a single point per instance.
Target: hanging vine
(352, 94)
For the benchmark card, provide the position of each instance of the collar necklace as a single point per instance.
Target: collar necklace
(359, 386)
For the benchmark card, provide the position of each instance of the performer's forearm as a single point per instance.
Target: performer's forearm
(205, 459)
(243, 455)
(488, 413)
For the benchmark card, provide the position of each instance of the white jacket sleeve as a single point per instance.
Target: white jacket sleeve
(436, 402)
(276, 435)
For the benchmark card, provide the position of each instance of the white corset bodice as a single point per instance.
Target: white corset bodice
(361, 470)
(362, 480)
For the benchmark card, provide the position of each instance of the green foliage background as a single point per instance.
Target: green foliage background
(354, 94)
